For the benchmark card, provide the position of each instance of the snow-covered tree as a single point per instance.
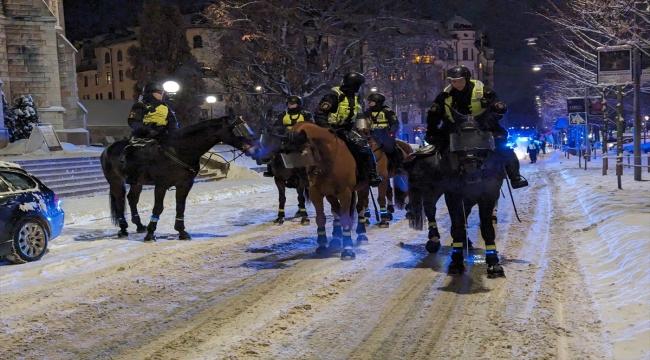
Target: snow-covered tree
(21, 118)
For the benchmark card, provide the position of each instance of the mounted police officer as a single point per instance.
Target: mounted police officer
(286, 120)
(471, 97)
(150, 118)
(384, 127)
(338, 110)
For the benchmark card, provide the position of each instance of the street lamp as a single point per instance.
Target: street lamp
(537, 67)
(374, 89)
(171, 87)
(258, 88)
(211, 100)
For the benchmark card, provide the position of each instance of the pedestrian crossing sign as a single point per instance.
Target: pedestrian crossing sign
(578, 118)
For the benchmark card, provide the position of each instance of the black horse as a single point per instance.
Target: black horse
(467, 177)
(174, 164)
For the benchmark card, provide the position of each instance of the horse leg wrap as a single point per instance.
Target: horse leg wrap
(491, 257)
(153, 224)
(179, 224)
(457, 252)
(322, 236)
(433, 233)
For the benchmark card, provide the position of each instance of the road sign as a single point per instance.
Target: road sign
(578, 118)
(575, 105)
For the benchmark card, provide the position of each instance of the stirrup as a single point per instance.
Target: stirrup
(519, 182)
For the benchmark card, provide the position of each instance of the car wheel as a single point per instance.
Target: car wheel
(30, 242)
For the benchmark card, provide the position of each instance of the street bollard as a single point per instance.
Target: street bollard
(605, 164)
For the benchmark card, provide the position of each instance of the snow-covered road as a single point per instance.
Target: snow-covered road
(244, 288)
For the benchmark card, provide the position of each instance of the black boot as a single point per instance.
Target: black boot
(371, 170)
(398, 159)
(512, 169)
(269, 171)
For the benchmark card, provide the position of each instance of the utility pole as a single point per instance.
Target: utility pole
(619, 134)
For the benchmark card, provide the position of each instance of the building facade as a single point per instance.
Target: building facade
(36, 59)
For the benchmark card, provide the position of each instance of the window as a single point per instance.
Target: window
(198, 41)
(119, 55)
(96, 96)
(472, 55)
(4, 188)
(107, 58)
(204, 113)
(110, 95)
(96, 79)
(19, 181)
(122, 95)
(101, 96)
(405, 117)
(465, 54)
(109, 77)
(85, 81)
(120, 75)
(219, 97)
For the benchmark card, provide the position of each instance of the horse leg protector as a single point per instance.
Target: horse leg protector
(456, 267)
(123, 226)
(494, 269)
(179, 225)
(151, 228)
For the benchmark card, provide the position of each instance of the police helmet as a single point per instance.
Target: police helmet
(459, 72)
(377, 98)
(294, 99)
(353, 80)
(153, 87)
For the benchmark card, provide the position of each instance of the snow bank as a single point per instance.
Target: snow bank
(615, 252)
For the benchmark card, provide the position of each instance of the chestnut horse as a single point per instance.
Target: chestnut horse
(175, 164)
(334, 177)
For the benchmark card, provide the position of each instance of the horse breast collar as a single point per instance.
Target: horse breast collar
(170, 152)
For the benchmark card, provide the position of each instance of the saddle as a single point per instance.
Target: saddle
(139, 152)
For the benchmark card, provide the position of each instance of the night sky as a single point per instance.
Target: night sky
(507, 22)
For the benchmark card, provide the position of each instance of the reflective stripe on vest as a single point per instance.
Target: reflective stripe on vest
(379, 120)
(158, 117)
(475, 104)
(289, 121)
(343, 109)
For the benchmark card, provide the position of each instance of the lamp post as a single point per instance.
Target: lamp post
(645, 127)
(171, 87)
(211, 100)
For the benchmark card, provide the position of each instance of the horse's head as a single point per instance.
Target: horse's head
(243, 137)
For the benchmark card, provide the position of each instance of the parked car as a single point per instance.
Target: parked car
(612, 145)
(30, 215)
(629, 148)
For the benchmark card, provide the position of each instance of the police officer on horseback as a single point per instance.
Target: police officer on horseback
(286, 120)
(384, 127)
(150, 118)
(338, 110)
(471, 97)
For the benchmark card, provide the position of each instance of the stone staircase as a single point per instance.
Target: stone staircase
(77, 176)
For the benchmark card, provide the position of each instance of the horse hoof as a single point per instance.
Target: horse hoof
(409, 215)
(321, 250)
(366, 214)
(495, 271)
(279, 221)
(141, 229)
(384, 224)
(335, 245)
(433, 246)
(305, 221)
(122, 234)
(362, 240)
(390, 208)
(348, 254)
(184, 235)
(150, 237)
(456, 268)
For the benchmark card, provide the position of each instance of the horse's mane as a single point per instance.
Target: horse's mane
(312, 129)
(199, 127)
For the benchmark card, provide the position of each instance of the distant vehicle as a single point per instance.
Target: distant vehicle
(645, 148)
(612, 145)
(30, 215)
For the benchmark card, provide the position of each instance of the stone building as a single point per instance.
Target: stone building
(37, 59)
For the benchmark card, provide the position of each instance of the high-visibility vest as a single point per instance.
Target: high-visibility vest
(475, 105)
(158, 117)
(289, 120)
(343, 110)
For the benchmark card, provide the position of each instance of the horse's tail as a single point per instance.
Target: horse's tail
(353, 205)
(305, 192)
(400, 191)
(115, 217)
(416, 206)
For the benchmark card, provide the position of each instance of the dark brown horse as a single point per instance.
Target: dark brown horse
(334, 177)
(271, 144)
(176, 164)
